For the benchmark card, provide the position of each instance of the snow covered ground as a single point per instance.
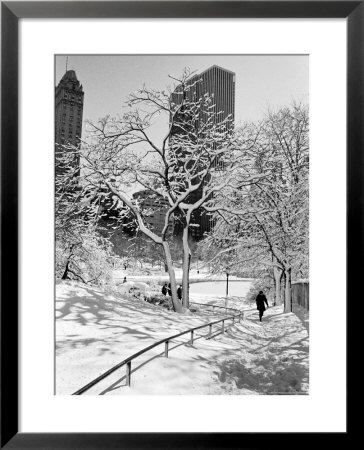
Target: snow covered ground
(162, 276)
(95, 331)
(213, 293)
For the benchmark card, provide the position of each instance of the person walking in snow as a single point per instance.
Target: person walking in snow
(164, 289)
(261, 300)
(179, 292)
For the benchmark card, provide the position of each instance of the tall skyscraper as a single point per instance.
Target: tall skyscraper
(68, 110)
(218, 83)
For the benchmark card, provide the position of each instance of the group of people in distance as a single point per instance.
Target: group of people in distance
(166, 289)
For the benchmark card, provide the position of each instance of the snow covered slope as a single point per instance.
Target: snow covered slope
(95, 331)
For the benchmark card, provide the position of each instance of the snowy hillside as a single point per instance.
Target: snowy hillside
(95, 331)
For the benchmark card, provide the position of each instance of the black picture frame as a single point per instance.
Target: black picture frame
(11, 12)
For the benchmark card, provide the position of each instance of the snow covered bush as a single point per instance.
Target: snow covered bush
(161, 300)
(87, 258)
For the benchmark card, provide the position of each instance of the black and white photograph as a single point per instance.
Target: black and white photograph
(181, 224)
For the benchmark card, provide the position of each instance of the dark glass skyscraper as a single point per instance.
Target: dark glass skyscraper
(218, 83)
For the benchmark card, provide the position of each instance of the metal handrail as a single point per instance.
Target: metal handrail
(128, 360)
(215, 306)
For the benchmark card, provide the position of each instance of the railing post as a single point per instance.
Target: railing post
(210, 331)
(192, 337)
(166, 349)
(128, 373)
(223, 326)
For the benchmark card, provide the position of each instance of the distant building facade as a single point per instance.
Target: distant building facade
(69, 98)
(218, 83)
(153, 209)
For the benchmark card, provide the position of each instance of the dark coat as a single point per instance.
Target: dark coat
(260, 300)
(179, 293)
(164, 290)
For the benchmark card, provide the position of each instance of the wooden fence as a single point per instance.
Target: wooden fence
(301, 294)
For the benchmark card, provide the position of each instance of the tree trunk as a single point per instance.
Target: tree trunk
(277, 274)
(177, 305)
(65, 273)
(287, 297)
(67, 269)
(283, 284)
(185, 268)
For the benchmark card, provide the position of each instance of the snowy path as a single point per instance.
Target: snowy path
(94, 333)
(251, 358)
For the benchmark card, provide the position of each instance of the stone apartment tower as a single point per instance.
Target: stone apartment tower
(219, 83)
(69, 97)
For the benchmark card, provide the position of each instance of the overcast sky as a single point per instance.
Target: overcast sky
(262, 81)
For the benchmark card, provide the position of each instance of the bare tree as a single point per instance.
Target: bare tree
(267, 222)
(82, 253)
(120, 155)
